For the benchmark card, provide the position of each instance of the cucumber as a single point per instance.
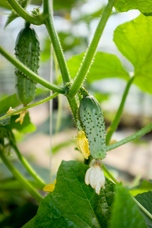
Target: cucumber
(92, 121)
(27, 50)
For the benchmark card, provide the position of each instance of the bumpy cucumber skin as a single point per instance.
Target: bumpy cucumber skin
(91, 118)
(27, 50)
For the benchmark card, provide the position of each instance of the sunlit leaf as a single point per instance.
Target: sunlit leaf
(134, 41)
(144, 186)
(105, 65)
(141, 5)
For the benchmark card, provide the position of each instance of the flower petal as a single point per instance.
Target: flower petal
(83, 145)
(95, 176)
(87, 176)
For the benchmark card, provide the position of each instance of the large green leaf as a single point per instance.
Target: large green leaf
(134, 41)
(73, 203)
(146, 200)
(105, 65)
(141, 5)
(125, 212)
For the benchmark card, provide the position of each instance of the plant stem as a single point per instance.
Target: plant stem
(30, 73)
(20, 178)
(143, 208)
(37, 20)
(28, 166)
(28, 106)
(132, 137)
(55, 40)
(116, 120)
(48, 10)
(109, 174)
(88, 58)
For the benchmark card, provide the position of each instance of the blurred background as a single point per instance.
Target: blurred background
(55, 137)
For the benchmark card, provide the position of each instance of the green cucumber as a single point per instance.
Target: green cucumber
(27, 50)
(92, 121)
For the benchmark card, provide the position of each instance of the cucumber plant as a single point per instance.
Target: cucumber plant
(73, 203)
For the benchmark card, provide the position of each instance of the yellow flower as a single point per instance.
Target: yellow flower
(21, 114)
(21, 117)
(49, 187)
(83, 145)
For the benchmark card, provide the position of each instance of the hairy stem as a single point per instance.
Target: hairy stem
(88, 58)
(30, 73)
(132, 137)
(20, 178)
(116, 120)
(48, 10)
(55, 40)
(38, 20)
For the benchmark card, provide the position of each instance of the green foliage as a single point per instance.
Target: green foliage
(141, 5)
(144, 186)
(7, 102)
(146, 200)
(125, 214)
(104, 65)
(73, 203)
(133, 38)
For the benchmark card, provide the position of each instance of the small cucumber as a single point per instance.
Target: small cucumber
(27, 50)
(92, 121)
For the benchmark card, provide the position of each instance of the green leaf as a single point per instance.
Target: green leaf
(144, 186)
(146, 200)
(7, 102)
(26, 127)
(125, 212)
(133, 39)
(4, 4)
(105, 65)
(141, 5)
(73, 203)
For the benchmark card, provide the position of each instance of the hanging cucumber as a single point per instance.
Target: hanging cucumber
(27, 50)
(91, 118)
